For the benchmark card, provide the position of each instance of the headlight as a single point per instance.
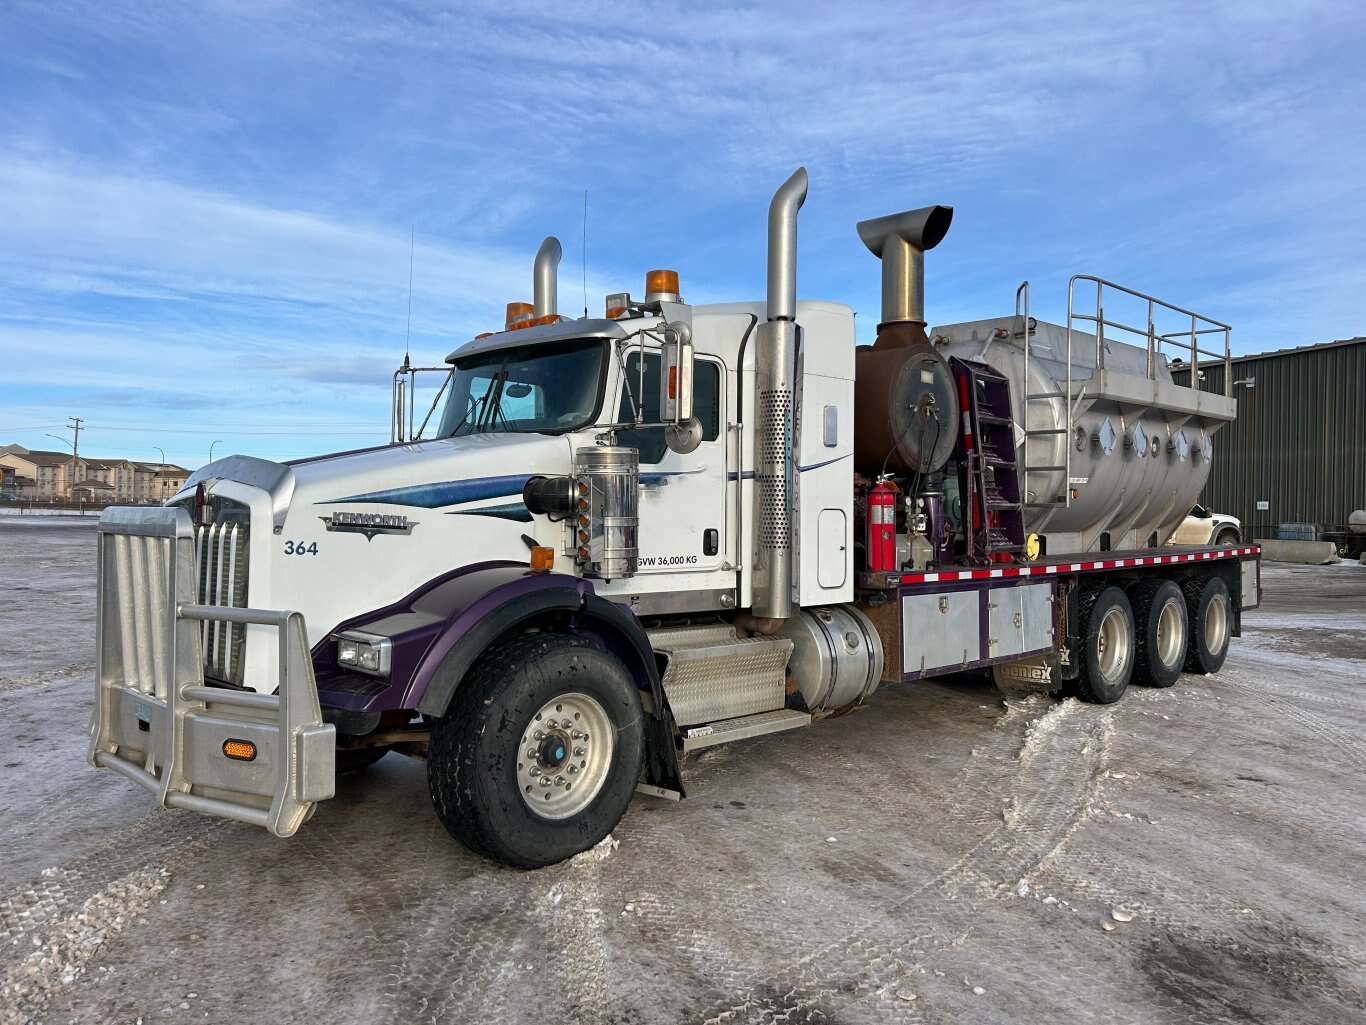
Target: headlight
(366, 653)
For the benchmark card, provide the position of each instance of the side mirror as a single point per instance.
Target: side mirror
(676, 374)
(682, 431)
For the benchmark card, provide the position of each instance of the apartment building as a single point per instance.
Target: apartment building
(44, 476)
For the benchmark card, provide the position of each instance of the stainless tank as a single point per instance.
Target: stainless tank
(836, 656)
(1139, 446)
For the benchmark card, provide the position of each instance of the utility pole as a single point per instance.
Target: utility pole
(75, 426)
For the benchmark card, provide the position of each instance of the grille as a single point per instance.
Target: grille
(136, 577)
(221, 553)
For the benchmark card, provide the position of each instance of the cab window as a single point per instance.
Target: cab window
(706, 404)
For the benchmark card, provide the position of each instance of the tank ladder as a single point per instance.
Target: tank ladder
(987, 471)
(1065, 499)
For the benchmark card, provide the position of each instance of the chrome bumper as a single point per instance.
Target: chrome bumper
(155, 720)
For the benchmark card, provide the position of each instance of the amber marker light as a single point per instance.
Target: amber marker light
(542, 559)
(240, 750)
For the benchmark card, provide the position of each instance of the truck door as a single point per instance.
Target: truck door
(683, 504)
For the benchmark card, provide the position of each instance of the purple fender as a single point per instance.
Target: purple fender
(439, 631)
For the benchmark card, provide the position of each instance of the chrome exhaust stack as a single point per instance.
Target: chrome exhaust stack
(776, 373)
(546, 277)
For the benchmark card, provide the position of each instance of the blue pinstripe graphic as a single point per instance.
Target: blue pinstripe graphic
(514, 511)
(450, 492)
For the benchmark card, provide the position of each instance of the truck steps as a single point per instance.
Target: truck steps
(697, 737)
(713, 675)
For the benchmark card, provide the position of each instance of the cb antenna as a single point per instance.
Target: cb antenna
(583, 258)
(408, 335)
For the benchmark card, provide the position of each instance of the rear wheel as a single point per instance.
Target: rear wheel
(1160, 621)
(1211, 624)
(1105, 659)
(538, 756)
(1227, 537)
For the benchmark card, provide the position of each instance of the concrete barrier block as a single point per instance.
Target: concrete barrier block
(1311, 553)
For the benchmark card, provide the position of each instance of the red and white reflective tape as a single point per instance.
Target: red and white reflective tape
(1077, 567)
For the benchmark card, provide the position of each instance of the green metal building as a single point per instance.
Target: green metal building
(1297, 452)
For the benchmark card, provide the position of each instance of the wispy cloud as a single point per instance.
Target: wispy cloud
(207, 207)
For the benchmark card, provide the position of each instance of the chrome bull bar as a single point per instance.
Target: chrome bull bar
(158, 724)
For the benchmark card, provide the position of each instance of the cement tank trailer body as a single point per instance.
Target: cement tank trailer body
(1112, 456)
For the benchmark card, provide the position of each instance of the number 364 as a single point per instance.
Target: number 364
(299, 548)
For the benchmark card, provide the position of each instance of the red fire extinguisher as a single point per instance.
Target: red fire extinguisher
(880, 529)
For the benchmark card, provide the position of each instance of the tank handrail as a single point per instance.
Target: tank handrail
(1187, 340)
(1161, 302)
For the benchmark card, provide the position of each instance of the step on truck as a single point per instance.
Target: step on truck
(618, 540)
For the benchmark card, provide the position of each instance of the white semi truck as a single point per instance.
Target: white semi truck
(633, 536)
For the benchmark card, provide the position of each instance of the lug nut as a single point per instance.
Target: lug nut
(538, 735)
(580, 751)
(545, 781)
(573, 769)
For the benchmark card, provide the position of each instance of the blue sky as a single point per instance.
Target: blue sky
(205, 209)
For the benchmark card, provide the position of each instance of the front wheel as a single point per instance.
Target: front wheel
(538, 756)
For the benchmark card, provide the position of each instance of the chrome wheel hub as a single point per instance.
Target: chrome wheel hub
(1171, 640)
(1112, 645)
(565, 755)
(1216, 624)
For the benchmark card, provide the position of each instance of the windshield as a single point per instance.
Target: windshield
(550, 387)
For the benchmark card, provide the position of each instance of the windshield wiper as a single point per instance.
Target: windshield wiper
(492, 400)
(479, 407)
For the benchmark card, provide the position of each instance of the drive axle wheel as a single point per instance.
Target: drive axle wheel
(1161, 623)
(538, 755)
(1105, 659)
(1211, 624)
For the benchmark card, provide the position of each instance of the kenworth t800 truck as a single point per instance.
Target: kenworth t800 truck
(634, 536)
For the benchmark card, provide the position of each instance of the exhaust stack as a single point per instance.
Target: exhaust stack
(905, 398)
(546, 277)
(775, 373)
(900, 241)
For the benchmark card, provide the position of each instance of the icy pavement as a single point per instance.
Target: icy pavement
(1187, 855)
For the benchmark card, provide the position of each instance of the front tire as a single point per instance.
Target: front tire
(538, 756)
(1211, 619)
(1162, 624)
(1105, 660)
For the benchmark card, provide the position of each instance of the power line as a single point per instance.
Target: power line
(317, 431)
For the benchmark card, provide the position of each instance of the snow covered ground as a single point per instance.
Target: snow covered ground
(1187, 855)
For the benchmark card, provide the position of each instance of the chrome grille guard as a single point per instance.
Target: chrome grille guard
(155, 720)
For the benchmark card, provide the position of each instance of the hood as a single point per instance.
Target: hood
(476, 472)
